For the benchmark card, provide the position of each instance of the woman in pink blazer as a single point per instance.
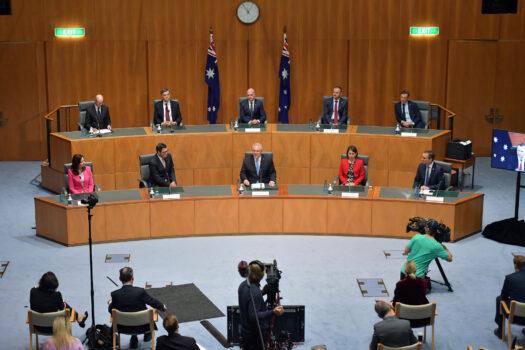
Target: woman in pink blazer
(351, 169)
(80, 177)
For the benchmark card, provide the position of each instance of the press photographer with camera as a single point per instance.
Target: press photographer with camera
(254, 313)
(426, 245)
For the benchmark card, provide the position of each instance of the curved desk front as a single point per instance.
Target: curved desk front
(220, 210)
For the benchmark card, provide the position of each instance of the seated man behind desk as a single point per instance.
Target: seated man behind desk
(429, 175)
(174, 341)
(132, 299)
(335, 109)
(166, 112)
(407, 113)
(391, 331)
(258, 167)
(251, 110)
(161, 168)
(97, 115)
(513, 289)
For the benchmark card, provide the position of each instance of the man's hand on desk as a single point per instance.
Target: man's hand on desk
(271, 183)
(246, 182)
(173, 184)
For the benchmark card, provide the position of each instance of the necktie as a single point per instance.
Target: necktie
(427, 175)
(403, 110)
(167, 116)
(336, 114)
(258, 165)
(251, 109)
(98, 112)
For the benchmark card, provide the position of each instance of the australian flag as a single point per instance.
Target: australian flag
(211, 77)
(285, 98)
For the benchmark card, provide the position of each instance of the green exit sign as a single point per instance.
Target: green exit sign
(70, 32)
(424, 31)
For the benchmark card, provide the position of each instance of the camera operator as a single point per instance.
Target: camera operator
(423, 248)
(254, 313)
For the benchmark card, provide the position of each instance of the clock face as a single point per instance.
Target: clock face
(248, 12)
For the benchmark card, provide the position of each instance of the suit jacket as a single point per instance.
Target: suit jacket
(159, 175)
(75, 186)
(413, 111)
(266, 172)
(131, 299)
(94, 121)
(45, 301)
(158, 112)
(392, 331)
(176, 342)
(245, 116)
(328, 111)
(359, 171)
(436, 180)
(514, 287)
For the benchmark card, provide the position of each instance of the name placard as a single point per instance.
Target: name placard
(260, 193)
(257, 186)
(331, 131)
(252, 130)
(171, 196)
(435, 199)
(349, 194)
(409, 134)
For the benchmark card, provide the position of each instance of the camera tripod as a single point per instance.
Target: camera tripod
(445, 279)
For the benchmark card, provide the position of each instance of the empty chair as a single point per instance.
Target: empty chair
(144, 160)
(416, 346)
(39, 323)
(419, 312)
(131, 319)
(82, 106)
(517, 309)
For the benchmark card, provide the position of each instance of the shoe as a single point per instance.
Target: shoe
(497, 333)
(82, 323)
(134, 342)
(147, 337)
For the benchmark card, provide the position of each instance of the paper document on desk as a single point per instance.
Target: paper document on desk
(102, 131)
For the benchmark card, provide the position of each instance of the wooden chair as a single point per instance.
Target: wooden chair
(418, 312)
(517, 309)
(416, 346)
(39, 320)
(138, 318)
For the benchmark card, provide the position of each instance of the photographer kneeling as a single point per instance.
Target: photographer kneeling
(250, 299)
(423, 248)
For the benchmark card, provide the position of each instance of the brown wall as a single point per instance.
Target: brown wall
(135, 47)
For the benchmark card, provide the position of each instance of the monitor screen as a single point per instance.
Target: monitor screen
(508, 150)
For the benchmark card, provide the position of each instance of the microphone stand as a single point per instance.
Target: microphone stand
(91, 332)
(261, 340)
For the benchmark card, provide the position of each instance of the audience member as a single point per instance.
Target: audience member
(62, 338)
(411, 291)
(80, 176)
(174, 341)
(319, 347)
(391, 331)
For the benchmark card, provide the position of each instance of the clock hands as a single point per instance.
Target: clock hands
(247, 9)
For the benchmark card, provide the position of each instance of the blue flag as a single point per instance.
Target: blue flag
(285, 98)
(211, 77)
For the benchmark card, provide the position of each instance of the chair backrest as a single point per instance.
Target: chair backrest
(248, 153)
(144, 160)
(424, 108)
(517, 309)
(82, 106)
(416, 312)
(365, 160)
(416, 346)
(133, 319)
(242, 98)
(67, 166)
(43, 319)
(447, 170)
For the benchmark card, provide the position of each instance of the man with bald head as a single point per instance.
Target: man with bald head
(97, 115)
(258, 167)
(251, 110)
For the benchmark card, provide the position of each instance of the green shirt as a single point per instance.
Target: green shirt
(423, 250)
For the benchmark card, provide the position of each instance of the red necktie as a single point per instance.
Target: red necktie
(336, 114)
(167, 116)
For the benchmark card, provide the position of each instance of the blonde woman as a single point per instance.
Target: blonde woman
(62, 338)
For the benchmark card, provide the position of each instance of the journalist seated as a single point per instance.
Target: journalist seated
(174, 341)
(391, 331)
(80, 176)
(62, 339)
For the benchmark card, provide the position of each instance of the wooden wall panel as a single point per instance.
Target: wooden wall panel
(375, 19)
(66, 14)
(467, 22)
(125, 19)
(26, 22)
(425, 13)
(513, 26)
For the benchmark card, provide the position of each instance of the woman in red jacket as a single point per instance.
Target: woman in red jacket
(80, 177)
(351, 169)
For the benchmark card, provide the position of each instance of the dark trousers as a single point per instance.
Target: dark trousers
(250, 342)
(499, 318)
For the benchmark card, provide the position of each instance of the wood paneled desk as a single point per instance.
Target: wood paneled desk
(220, 210)
(212, 154)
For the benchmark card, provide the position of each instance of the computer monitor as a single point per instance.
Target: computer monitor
(508, 150)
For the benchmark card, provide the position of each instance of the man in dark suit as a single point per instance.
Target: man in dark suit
(132, 299)
(513, 289)
(407, 112)
(391, 331)
(251, 110)
(161, 168)
(174, 341)
(258, 167)
(97, 116)
(338, 104)
(166, 112)
(429, 175)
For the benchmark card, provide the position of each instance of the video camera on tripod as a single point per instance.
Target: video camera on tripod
(418, 224)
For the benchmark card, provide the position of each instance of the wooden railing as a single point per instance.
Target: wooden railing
(448, 117)
(55, 122)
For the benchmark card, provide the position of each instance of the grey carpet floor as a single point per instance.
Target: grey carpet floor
(318, 271)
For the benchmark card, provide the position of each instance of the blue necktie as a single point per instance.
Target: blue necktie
(258, 165)
(427, 175)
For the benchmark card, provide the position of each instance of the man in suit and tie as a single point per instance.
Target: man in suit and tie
(166, 112)
(251, 110)
(429, 175)
(132, 299)
(335, 109)
(407, 113)
(161, 168)
(258, 167)
(391, 331)
(97, 116)
(513, 289)
(520, 154)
